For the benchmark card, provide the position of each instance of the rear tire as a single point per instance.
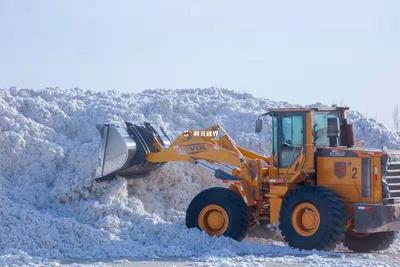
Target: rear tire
(219, 211)
(312, 217)
(370, 242)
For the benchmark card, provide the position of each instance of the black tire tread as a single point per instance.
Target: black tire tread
(334, 229)
(372, 242)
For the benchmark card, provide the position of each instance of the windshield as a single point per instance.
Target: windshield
(320, 127)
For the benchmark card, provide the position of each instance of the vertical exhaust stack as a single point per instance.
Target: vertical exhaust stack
(347, 137)
(347, 134)
(123, 150)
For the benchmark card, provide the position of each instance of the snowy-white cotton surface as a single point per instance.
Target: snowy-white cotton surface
(52, 210)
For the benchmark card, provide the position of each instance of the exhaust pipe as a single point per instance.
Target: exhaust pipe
(123, 150)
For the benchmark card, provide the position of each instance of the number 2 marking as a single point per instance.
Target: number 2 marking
(354, 171)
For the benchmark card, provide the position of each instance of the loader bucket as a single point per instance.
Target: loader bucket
(123, 150)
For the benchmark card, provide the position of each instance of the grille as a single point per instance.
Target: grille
(391, 179)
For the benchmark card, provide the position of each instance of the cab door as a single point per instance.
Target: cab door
(288, 141)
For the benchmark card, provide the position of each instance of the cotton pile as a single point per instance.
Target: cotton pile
(51, 208)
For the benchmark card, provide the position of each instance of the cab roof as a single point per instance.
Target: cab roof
(308, 109)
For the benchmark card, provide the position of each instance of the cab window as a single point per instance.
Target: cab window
(292, 139)
(320, 127)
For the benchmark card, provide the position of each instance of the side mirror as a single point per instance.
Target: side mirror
(259, 123)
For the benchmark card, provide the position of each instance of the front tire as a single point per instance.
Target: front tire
(219, 211)
(312, 217)
(369, 242)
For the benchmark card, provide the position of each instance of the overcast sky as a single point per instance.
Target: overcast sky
(295, 51)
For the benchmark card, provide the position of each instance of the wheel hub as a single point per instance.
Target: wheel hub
(213, 219)
(305, 219)
(308, 219)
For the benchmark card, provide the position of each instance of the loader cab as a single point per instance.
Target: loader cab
(297, 132)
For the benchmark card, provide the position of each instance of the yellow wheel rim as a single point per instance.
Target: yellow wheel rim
(305, 219)
(213, 219)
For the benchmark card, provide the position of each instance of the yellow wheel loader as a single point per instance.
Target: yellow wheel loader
(316, 184)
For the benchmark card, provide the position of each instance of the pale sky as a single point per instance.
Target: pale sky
(296, 51)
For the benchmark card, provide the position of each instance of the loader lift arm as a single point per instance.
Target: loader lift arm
(215, 150)
(212, 144)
